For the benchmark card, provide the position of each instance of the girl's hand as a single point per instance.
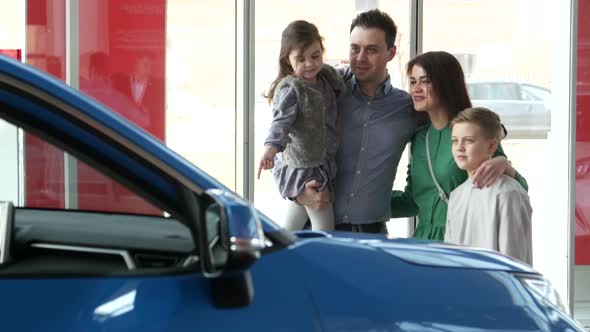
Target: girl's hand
(268, 158)
(490, 170)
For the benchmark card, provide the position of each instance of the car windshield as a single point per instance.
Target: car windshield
(493, 91)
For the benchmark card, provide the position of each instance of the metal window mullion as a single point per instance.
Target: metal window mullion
(72, 79)
(22, 167)
(244, 32)
(416, 29)
(571, 236)
(249, 49)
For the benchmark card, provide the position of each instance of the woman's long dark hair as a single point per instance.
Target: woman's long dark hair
(447, 79)
(297, 35)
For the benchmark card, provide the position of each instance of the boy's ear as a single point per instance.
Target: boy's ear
(492, 146)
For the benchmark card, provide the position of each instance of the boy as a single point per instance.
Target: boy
(496, 217)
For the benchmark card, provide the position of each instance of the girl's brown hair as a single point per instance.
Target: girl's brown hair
(297, 35)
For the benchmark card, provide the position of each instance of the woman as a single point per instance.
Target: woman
(437, 88)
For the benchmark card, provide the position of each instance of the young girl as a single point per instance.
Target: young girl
(437, 88)
(303, 129)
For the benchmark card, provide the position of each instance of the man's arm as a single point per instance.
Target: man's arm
(312, 197)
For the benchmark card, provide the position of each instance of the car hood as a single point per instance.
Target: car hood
(361, 283)
(426, 252)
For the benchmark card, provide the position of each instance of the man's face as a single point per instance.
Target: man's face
(470, 148)
(306, 64)
(369, 54)
(143, 67)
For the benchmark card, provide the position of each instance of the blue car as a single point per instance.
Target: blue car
(209, 261)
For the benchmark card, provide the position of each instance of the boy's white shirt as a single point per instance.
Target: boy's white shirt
(496, 217)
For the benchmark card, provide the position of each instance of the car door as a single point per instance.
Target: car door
(134, 263)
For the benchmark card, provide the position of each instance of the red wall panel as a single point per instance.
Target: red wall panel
(582, 206)
(122, 47)
(46, 51)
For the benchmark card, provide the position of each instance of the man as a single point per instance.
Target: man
(99, 85)
(377, 121)
(145, 90)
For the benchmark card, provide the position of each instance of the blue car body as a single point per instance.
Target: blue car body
(315, 281)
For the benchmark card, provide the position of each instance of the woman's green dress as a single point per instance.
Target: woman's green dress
(421, 195)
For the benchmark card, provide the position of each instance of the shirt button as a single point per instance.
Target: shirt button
(345, 217)
(363, 148)
(365, 125)
(358, 172)
(351, 194)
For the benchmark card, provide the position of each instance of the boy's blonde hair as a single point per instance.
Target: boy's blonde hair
(486, 119)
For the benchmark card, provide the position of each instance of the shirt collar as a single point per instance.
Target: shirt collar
(383, 89)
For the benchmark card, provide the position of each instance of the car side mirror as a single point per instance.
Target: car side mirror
(234, 242)
(236, 223)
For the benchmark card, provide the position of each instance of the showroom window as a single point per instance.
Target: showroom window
(167, 66)
(363, 5)
(12, 41)
(333, 18)
(201, 85)
(511, 59)
(467, 62)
